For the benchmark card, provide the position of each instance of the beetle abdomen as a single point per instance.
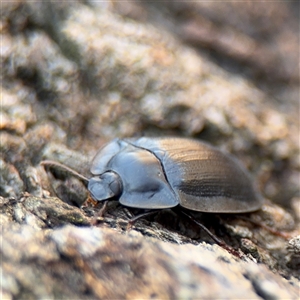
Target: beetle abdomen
(203, 178)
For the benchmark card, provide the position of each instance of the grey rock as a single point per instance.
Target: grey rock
(76, 76)
(101, 263)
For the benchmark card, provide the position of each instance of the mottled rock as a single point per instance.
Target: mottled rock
(100, 263)
(76, 76)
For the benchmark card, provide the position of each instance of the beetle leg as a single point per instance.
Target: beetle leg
(214, 237)
(102, 210)
(100, 213)
(140, 216)
(128, 213)
(279, 233)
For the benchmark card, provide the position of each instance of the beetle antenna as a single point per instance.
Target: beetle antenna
(51, 163)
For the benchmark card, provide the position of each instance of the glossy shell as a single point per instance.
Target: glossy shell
(164, 172)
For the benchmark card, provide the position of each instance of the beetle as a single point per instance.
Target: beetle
(159, 173)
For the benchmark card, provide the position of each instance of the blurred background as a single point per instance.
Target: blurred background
(76, 75)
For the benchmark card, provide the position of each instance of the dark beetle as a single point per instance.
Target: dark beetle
(157, 173)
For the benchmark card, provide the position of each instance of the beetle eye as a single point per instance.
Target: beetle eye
(115, 187)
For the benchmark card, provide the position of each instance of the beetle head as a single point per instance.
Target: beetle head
(105, 186)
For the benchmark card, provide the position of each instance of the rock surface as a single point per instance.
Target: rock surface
(76, 76)
(88, 263)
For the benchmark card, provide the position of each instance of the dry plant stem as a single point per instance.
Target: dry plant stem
(50, 163)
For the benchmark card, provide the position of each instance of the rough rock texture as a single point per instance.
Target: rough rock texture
(76, 76)
(86, 263)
